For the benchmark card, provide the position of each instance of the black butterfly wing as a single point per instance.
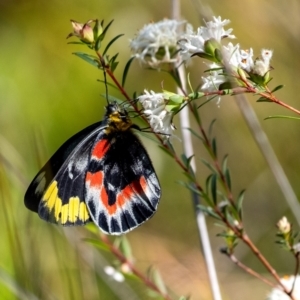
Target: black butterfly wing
(122, 190)
(57, 191)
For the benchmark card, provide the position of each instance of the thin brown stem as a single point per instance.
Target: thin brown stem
(249, 270)
(122, 258)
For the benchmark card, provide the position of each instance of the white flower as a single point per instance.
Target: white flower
(237, 57)
(114, 274)
(193, 42)
(156, 43)
(213, 80)
(262, 64)
(160, 119)
(287, 281)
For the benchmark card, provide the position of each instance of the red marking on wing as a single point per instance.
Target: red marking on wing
(100, 149)
(96, 181)
(136, 187)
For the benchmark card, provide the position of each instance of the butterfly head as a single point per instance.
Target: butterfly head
(117, 118)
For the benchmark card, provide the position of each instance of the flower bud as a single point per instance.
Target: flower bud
(83, 31)
(284, 226)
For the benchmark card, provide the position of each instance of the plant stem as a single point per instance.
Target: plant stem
(188, 150)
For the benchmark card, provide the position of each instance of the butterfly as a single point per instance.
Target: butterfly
(101, 174)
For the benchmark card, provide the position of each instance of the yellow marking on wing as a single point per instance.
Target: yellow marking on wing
(64, 213)
(57, 209)
(83, 212)
(73, 209)
(50, 196)
(69, 212)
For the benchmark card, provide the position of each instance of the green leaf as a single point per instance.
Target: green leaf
(204, 55)
(109, 84)
(209, 211)
(113, 63)
(167, 151)
(208, 100)
(93, 60)
(190, 187)
(225, 86)
(105, 30)
(214, 146)
(263, 99)
(282, 117)
(126, 69)
(239, 203)
(278, 87)
(227, 178)
(195, 134)
(159, 281)
(224, 163)
(111, 42)
(207, 164)
(76, 43)
(211, 127)
(214, 188)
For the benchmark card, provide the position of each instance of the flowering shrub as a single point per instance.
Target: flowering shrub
(171, 45)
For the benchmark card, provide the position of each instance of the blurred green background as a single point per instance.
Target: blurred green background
(47, 95)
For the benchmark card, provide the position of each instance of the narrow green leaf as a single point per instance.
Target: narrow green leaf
(126, 69)
(281, 117)
(214, 146)
(209, 211)
(228, 180)
(203, 55)
(159, 281)
(105, 29)
(208, 165)
(239, 203)
(213, 69)
(109, 84)
(88, 58)
(167, 151)
(277, 88)
(195, 134)
(263, 99)
(214, 188)
(190, 187)
(205, 102)
(110, 43)
(184, 159)
(224, 164)
(225, 86)
(196, 114)
(76, 43)
(114, 66)
(211, 127)
(98, 43)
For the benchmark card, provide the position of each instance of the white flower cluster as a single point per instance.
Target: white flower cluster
(156, 43)
(237, 58)
(168, 41)
(194, 42)
(288, 282)
(154, 108)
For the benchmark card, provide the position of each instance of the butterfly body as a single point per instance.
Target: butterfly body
(102, 174)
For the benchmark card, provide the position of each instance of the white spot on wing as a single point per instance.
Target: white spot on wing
(41, 184)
